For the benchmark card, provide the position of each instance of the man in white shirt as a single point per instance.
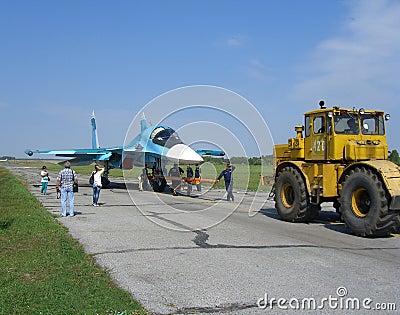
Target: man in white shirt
(97, 184)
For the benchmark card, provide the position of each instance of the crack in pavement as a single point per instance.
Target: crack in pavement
(211, 309)
(204, 245)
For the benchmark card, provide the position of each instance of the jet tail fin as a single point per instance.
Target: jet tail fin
(143, 123)
(95, 139)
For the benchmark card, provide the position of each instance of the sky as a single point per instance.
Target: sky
(59, 60)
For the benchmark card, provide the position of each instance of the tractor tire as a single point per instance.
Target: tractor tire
(291, 197)
(364, 204)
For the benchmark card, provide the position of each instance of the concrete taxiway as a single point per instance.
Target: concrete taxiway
(202, 255)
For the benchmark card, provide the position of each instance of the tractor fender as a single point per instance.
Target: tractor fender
(297, 165)
(389, 174)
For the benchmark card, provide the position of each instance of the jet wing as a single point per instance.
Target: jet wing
(82, 156)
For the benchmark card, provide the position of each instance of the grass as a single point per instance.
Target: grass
(43, 270)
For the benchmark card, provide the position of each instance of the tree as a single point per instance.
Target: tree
(255, 161)
(238, 160)
(394, 157)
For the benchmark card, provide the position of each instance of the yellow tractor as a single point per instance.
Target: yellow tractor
(341, 158)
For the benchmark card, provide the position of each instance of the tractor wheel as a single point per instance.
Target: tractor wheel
(364, 204)
(291, 197)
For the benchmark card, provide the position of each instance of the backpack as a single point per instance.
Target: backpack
(91, 179)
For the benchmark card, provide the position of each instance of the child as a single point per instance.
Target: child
(45, 180)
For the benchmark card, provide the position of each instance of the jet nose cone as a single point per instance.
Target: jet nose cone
(181, 153)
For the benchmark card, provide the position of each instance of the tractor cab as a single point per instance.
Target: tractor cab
(336, 134)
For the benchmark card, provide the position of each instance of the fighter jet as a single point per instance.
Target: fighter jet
(154, 147)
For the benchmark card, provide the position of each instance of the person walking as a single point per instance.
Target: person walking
(228, 178)
(97, 184)
(65, 180)
(44, 180)
(197, 177)
(144, 178)
(189, 178)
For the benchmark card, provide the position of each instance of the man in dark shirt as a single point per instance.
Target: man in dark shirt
(197, 177)
(189, 177)
(189, 171)
(228, 178)
(175, 172)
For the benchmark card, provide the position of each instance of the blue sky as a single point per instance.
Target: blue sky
(59, 60)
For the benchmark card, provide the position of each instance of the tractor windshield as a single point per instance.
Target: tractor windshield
(347, 123)
(373, 124)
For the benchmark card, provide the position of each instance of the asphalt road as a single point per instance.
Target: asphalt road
(202, 255)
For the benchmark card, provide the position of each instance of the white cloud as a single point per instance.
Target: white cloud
(235, 41)
(257, 63)
(256, 69)
(362, 63)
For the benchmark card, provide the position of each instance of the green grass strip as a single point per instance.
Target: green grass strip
(42, 269)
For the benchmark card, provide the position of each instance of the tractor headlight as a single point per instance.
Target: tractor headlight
(387, 116)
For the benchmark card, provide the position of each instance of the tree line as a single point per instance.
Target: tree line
(269, 159)
(394, 157)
